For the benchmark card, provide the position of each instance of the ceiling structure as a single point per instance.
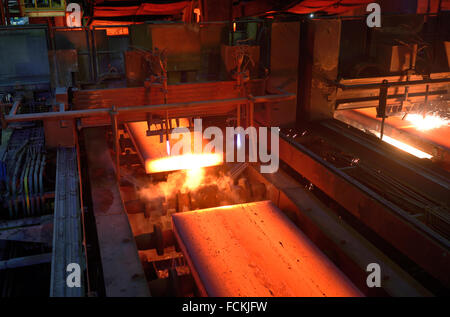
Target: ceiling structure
(138, 11)
(132, 10)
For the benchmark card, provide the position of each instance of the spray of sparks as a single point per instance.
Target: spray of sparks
(428, 122)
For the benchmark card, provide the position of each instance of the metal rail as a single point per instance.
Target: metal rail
(73, 114)
(383, 95)
(393, 83)
(218, 244)
(67, 225)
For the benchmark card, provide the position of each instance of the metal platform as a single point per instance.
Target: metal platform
(255, 250)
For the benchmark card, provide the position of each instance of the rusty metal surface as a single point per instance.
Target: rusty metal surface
(60, 133)
(254, 250)
(122, 269)
(321, 56)
(383, 217)
(120, 97)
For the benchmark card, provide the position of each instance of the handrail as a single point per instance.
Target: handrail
(72, 114)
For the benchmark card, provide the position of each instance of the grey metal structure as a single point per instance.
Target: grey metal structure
(67, 228)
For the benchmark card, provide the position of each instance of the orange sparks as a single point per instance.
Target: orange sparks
(428, 122)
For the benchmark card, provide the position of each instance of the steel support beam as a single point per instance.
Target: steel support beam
(30, 221)
(394, 84)
(122, 269)
(41, 233)
(26, 261)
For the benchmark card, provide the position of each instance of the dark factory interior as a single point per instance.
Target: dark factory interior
(224, 148)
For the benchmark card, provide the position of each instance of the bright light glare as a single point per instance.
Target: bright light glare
(428, 123)
(405, 147)
(183, 162)
(194, 178)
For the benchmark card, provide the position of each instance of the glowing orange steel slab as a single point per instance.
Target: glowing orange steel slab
(182, 162)
(255, 250)
(155, 154)
(427, 137)
(420, 128)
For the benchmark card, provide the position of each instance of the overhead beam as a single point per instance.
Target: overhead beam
(161, 108)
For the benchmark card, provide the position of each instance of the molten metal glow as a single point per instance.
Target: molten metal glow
(183, 162)
(405, 147)
(428, 122)
(194, 178)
